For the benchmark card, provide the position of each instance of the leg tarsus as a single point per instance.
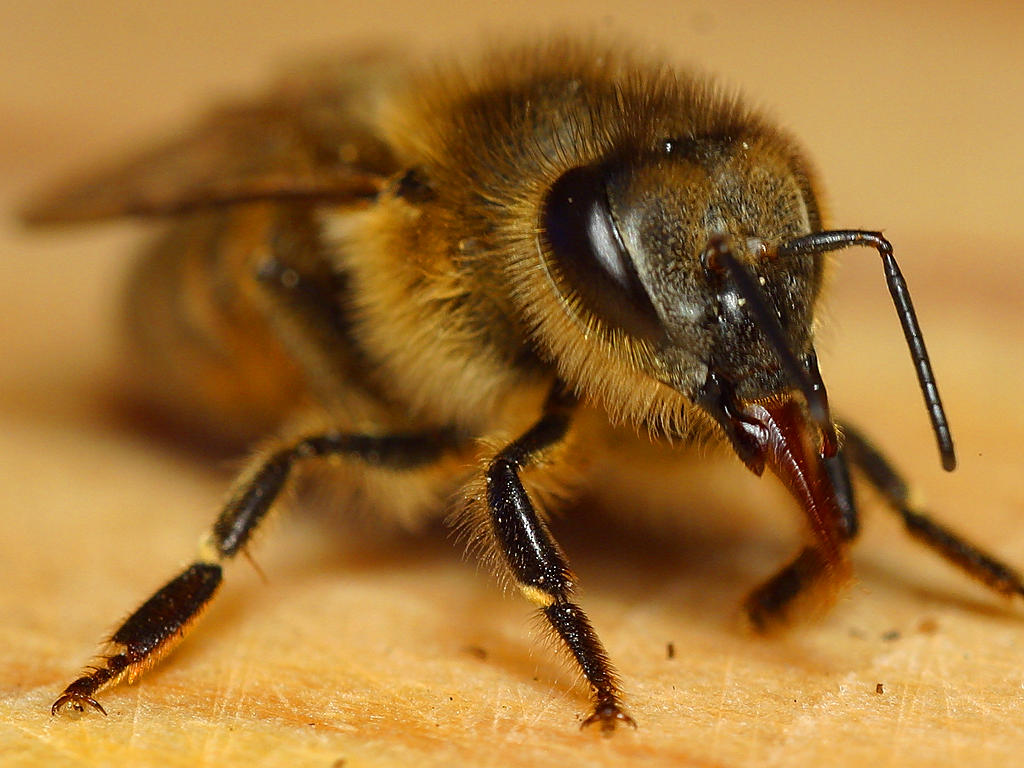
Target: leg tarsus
(810, 582)
(608, 714)
(146, 636)
(813, 578)
(995, 574)
(576, 631)
(970, 558)
(76, 696)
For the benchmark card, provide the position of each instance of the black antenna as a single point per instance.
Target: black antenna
(804, 375)
(824, 242)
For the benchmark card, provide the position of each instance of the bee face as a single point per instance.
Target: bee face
(630, 238)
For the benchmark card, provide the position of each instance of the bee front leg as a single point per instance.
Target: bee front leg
(537, 564)
(164, 619)
(950, 545)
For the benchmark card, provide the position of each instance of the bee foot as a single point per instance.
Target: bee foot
(75, 702)
(607, 715)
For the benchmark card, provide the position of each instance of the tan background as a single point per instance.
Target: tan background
(370, 653)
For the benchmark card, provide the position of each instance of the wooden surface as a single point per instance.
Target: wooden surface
(360, 651)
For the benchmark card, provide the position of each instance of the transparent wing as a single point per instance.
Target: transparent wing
(309, 139)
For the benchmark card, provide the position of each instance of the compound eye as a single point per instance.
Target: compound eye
(586, 245)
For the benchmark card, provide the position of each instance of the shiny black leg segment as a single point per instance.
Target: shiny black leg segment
(166, 617)
(838, 469)
(255, 496)
(537, 563)
(962, 553)
(530, 551)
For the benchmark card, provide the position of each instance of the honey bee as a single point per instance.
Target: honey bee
(459, 284)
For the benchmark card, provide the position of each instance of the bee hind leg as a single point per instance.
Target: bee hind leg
(950, 545)
(157, 626)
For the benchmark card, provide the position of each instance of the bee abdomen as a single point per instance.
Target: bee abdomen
(201, 356)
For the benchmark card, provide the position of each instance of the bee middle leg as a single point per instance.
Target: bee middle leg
(820, 569)
(537, 564)
(157, 626)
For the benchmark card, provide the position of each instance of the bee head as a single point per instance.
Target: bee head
(706, 256)
(630, 237)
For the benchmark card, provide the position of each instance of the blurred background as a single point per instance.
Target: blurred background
(914, 116)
